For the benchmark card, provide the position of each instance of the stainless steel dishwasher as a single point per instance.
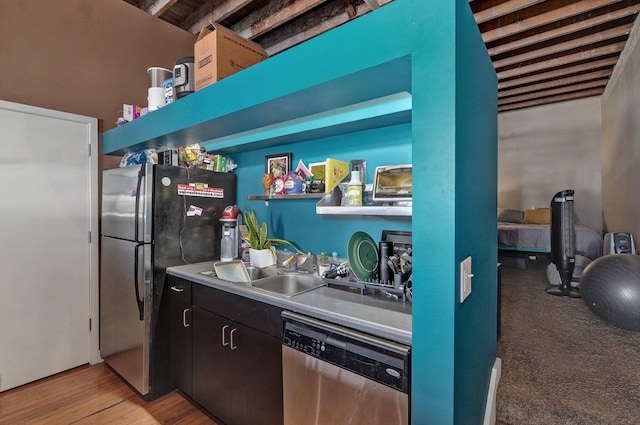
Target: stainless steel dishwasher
(333, 375)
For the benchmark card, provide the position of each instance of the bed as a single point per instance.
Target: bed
(519, 231)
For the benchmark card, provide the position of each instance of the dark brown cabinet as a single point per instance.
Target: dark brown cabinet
(237, 367)
(180, 336)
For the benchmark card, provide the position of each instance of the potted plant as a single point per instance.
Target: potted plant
(324, 263)
(262, 252)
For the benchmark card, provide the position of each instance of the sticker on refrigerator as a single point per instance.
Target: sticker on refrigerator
(193, 211)
(200, 189)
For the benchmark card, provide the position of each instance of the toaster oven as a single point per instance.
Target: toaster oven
(393, 183)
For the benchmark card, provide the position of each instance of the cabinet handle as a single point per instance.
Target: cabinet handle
(184, 318)
(233, 347)
(224, 341)
(177, 289)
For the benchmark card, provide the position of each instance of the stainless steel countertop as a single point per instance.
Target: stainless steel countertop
(372, 314)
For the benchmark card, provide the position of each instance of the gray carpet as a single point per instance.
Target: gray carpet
(561, 364)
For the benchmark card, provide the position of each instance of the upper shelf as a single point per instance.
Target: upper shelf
(373, 97)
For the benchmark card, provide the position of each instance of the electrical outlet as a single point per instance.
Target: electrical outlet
(465, 279)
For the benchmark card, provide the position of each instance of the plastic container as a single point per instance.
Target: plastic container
(354, 190)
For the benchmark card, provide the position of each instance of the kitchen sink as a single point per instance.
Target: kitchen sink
(256, 273)
(288, 284)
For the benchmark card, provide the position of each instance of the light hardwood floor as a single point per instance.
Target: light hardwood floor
(93, 395)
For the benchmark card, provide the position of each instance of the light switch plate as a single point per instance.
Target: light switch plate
(465, 278)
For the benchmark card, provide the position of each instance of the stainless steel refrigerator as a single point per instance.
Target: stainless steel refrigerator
(153, 217)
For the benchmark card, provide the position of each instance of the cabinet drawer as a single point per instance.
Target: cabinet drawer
(178, 290)
(258, 315)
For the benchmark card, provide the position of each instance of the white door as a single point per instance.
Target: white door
(48, 266)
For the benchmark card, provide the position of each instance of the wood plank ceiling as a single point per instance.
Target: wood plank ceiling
(544, 51)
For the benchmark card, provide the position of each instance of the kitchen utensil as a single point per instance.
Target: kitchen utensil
(408, 289)
(363, 256)
(385, 249)
(233, 271)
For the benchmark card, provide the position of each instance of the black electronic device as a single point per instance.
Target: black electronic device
(619, 243)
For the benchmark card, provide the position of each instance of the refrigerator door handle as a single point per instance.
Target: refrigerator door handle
(139, 301)
(141, 175)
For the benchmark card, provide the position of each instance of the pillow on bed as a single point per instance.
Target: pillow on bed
(511, 216)
(537, 216)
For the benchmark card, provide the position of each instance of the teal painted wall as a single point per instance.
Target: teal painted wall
(295, 220)
(476, 205)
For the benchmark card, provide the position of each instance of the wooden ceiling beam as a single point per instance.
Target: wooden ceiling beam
(563, 60)
(314, 27)
(565, 30)
(223, 9)
(577, 43)
(573, 9)
(349, 8)
(158, 7)
(273, 15)
(553, 99)
(552, 84)
(558, 73)
(502, 9)
(554, 92)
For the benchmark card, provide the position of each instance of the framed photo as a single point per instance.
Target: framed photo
(277, 165)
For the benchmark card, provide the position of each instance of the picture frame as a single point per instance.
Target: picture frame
(277, 165)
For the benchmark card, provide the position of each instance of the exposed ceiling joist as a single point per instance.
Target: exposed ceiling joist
(555, 83)
(544, 51)
(565, 46)
(545, 17)
(579, 25)
(158, 7)
(606, 63)
(560, 61)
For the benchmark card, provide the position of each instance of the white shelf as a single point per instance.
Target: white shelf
(366, 210)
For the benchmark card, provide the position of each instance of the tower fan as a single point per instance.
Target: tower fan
(563, 242)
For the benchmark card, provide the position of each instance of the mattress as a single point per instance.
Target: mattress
(537, 238)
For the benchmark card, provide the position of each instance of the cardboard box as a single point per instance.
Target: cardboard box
(131, 112)
(221, 53)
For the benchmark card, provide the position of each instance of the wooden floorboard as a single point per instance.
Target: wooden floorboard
(90, 395)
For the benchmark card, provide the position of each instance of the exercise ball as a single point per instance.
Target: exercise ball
(610, 287)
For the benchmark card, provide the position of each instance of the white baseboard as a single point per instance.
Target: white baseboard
(490, 409)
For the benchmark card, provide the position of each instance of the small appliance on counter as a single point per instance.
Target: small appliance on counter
(393, 184)
(231, 220)
(184, 81)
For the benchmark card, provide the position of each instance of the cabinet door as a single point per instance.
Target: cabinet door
(213, 364)
(179, 292)
(237, 371)
(258, 378)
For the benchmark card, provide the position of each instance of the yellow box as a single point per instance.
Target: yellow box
(331, 172)
(221, 53)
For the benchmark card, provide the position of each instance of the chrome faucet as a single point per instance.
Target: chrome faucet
(292, 261)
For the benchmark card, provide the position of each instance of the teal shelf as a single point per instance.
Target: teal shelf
(263, 116)
(376, 113)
